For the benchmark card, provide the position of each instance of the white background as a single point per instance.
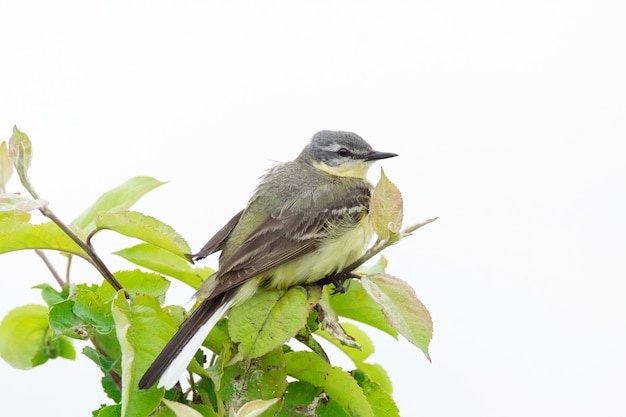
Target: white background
(509, 118)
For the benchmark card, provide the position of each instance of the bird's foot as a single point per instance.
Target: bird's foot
(339, 281)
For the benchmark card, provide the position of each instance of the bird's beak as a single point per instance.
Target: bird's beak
(376, 155)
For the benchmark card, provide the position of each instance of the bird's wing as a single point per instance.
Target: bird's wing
(215, 243)
(290, 233)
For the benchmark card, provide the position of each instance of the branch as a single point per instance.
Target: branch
(95, 259)
(338, 278)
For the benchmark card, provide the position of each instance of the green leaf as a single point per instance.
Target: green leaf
(121, 197)
(109, 345)
(108, 411)
(53, 348)
(305, 337)
(356, 304)
(331, 409)
(22, 334)
(402, 309)
(146, 228)
(205, 391)
(105, 364)
(36, 236)
(204, 410)
(92, 310)
(338, 385)
(298, 395)
(52, 296)
(270, 318)
(386, 208)
(377, 267)
(16, 202)
(357, 355)
(377, 374)
(380, 400)
(64, 322)
(343, 388)
(6, 167)
(163, 412)
(307, 367)
(142, 330)
(218, 337)
(12, 219)
(181, 410)
(166, 263)
(136, 282)
(64, 348)
(262, 378)
(20, 151)
(256, 408)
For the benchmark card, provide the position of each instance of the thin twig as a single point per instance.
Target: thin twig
(410, 229)
(67, 269)
(95, 259)
(90, 235)
(53, 271)
(339, 277)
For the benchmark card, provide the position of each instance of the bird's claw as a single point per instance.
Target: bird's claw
(338, 282)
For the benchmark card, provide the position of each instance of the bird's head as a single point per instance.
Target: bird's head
(342, 154)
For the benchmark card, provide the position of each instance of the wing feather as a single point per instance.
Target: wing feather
(292, 232)
(216, 242)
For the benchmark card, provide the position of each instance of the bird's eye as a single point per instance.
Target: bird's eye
(344, 153)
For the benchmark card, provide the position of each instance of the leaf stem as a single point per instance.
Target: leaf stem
(68, 267)
(50, 267)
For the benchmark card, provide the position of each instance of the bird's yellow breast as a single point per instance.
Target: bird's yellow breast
(332, 255)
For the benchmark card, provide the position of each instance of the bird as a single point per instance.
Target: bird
(307, 220)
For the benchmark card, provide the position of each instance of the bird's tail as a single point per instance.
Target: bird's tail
(171, 363)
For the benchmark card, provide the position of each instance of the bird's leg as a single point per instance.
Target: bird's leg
(338, 280)
(339, 287)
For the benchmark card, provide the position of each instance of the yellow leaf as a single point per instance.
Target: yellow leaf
(386, 208)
